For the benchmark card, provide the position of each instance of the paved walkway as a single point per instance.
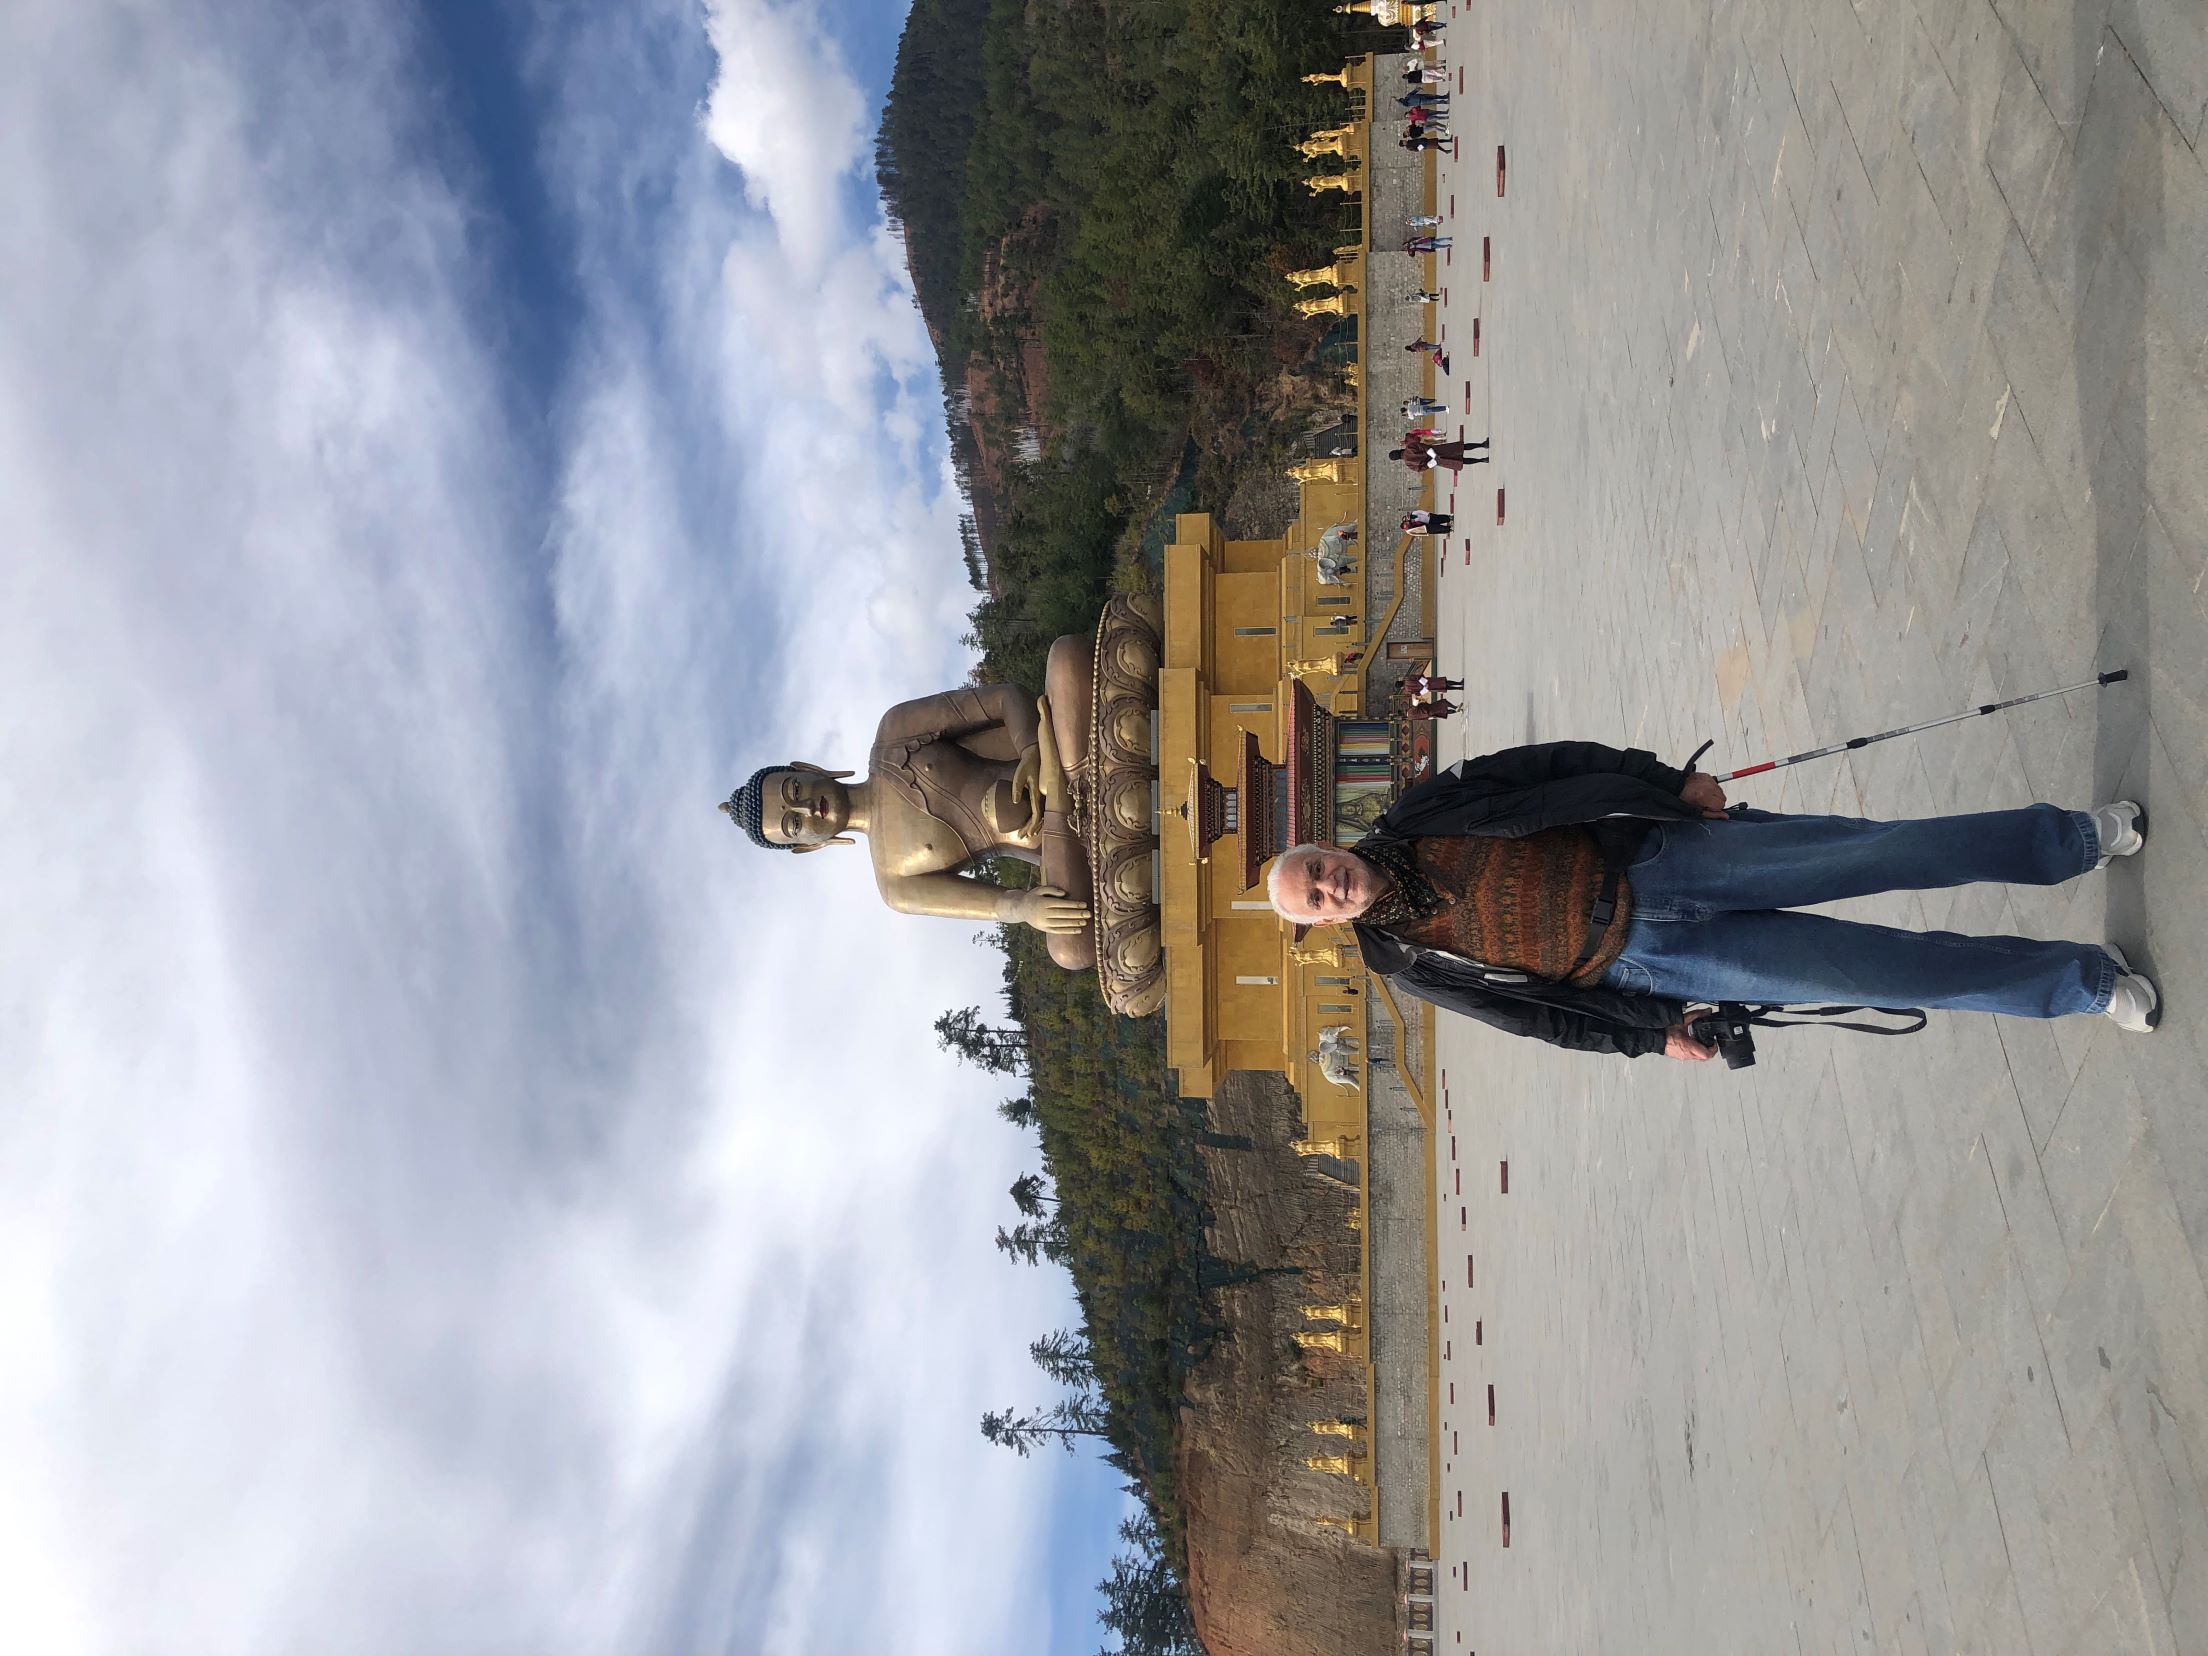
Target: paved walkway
(1845, 365)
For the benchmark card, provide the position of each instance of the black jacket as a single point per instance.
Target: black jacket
(1507, 795)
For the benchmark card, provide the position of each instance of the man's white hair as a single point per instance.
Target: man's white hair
(1276, 882)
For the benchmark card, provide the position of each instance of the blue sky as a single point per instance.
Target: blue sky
(457, 1195)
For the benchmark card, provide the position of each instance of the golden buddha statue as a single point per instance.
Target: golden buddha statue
(1338, 1464)
(1314, 954)
(1320, 183)
(1326, 666)
(1330, 1340)
(990, 771)
(1327, 141)
(1332, 304)
(1319, 471)
(1339, 78)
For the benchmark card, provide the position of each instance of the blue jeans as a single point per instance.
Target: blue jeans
(1712, 916)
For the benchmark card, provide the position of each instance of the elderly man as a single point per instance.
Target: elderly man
(1586, 896)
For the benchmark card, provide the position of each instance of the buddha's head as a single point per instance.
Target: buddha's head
(793, 807)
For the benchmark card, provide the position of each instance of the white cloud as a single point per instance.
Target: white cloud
(455, 1194)
(785, 110)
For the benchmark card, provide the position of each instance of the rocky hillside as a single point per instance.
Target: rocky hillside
(1264, 1578)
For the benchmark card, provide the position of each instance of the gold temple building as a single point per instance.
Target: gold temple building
(1253, 758)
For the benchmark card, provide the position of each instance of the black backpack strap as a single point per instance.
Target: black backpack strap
(1599, 917)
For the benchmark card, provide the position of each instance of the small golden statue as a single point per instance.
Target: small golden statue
(1333, 304)
(1339, 78)
(1320, 183)
(1328, 666)
(1337, 1429)
(1329, 1340)
(1330, 955)
(1349, 1314)
(1342, 273)
(1338, 1148)
(1320, 471)
(1341, 1465)
(1330, 141)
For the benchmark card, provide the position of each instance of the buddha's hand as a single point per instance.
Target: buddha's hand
(1049, 909)
(1039, 780)
(1025, 775)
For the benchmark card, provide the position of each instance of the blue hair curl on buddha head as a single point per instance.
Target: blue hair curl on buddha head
(747, 806)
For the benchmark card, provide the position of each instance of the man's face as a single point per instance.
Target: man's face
(1327, 885)
(803, 807)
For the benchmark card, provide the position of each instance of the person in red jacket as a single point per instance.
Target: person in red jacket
(1418, 454)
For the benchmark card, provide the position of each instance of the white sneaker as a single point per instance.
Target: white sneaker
(2122, 828)
(2133, 1004)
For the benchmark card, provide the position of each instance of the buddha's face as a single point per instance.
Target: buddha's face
(803, 807)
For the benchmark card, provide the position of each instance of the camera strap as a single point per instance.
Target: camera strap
(1835, 1017)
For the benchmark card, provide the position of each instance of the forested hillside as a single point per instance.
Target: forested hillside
(1098, 201)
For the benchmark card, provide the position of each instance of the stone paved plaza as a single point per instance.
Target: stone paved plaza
(1845, 366)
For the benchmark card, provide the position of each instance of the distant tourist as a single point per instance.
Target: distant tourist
(1423, 522)
(1427, 244)
(1440, 356)
(1424, 454)
(1424, 221)
(1425, 74)
(1441, 709)
(1416, 407)
(1421, 296)
(1424, 100)
(1429, 687)
(1423, 141)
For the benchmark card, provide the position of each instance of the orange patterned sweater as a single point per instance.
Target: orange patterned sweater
(1521, 904)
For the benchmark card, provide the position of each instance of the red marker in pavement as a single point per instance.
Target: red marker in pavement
(1487, 258)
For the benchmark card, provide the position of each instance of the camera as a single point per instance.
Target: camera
(1726, 1027)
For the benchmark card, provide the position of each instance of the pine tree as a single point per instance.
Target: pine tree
(1062, 1422)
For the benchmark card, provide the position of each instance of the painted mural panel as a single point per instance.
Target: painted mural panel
(1364, 776)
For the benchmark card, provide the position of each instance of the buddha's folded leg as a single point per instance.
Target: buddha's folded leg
(1069, 680)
